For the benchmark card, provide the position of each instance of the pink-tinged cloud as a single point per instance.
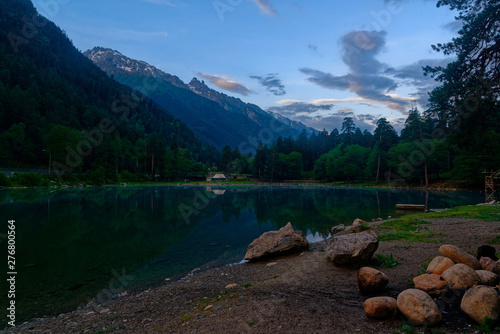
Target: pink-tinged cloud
(265, 7)
(222, 82)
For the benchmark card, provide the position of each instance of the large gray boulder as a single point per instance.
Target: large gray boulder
(275, 243)
(352, 249)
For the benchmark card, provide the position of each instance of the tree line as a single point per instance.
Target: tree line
(457, 136)
(420, 153)
(53, 100)
(57, 107)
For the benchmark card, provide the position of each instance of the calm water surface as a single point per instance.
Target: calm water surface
(76, 244)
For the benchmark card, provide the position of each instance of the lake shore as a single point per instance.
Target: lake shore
(301, 293)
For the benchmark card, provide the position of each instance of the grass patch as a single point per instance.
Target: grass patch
(412, 228)
(387, 261)
(482, 212)
(407, 229)
(495, 240)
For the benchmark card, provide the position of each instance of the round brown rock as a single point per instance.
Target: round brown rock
(480, 302)
(439, 264)
(488, 278)
(487, 264)
(458, 255)
(430, 283)
(381, 307)
(371, 281)
(418, 307)
(461, 276)
(358, 221)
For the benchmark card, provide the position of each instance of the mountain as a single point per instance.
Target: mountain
(54, 101)
(215, 117)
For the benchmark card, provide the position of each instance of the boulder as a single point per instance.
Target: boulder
(352, 249)
(461, 276)
(358, 221)
(480, 302)
(488, 277)
(275, 243)
(418, 307)
(381, 307)
(359, 228)
(338, 228)
(487, 251)
(371, 281)
(439, 264)
(487, 263)
(496, 270)
(458, 255)
(432, 284)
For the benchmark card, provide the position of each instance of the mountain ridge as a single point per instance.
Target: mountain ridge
(216, 117)
(54, 102)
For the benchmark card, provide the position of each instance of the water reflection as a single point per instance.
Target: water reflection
(70, 242)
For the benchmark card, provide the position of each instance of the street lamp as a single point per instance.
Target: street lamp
(50, 159)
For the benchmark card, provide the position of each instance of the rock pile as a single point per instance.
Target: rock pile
(454, 269)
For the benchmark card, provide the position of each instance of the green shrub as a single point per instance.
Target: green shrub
(96, 176)
(126, 176)
(30, 180)
(4, 180)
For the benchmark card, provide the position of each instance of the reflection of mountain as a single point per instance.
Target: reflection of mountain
(72, 242)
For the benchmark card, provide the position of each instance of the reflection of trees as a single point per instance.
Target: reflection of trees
(87, 237)
(91, 232)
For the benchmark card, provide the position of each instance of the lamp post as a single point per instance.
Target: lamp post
(50, 159)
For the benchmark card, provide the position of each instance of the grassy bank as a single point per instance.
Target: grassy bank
(412, 228)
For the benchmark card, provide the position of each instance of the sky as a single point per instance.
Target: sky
(314, 61)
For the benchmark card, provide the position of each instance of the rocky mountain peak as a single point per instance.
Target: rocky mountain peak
(115, 63)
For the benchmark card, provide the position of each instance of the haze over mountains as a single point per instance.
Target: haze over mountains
(216, 118)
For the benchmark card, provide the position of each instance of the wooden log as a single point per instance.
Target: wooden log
(415, 207)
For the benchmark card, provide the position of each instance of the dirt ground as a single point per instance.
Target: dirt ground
(301, 293)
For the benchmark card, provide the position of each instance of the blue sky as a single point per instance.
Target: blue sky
(314, 61)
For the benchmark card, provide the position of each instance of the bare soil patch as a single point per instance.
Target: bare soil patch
(295, 294)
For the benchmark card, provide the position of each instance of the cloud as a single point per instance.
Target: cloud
(171, 3)
(265, 7)
(366, 77)
(222, 82)
(312, 47)
(322, 116)
(333, 121)
(413, 75)
(454, 26)
(272, 83)
(296, 108)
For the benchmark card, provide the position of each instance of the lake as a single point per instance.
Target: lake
(74, 245)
